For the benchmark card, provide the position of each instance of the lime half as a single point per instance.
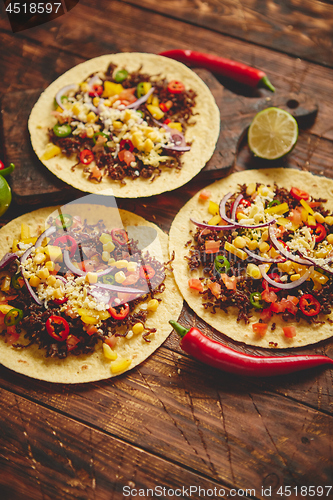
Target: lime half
(5, 195)
(272, 134)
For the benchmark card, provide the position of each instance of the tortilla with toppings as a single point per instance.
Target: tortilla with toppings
(88, 299)
(254, 256)
(137, 124)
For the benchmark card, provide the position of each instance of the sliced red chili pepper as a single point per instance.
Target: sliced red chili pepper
(147, 272)
(121, 312)
(243, 203)
(275, 277)
(72, 342)
(126, 144)
(66, 241)
(57, 327)
(176, 87)
(309, 305)
(319, 233)
(167, 121)
(299, 194)
(86, 157)
(60, 301)
(163, 107)
(96, 91)
(119, 236)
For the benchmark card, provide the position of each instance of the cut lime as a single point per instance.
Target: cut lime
(5, 195)
(272, 134)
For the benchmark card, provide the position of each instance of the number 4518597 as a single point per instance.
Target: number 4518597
(32, 8)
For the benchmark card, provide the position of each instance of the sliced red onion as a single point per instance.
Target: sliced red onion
(213, 228)
(181, 149)
(322, 265)
(93, 80)
(79, 272)
(288, 255)
(62, 92)
(141, 100)
(26, 282)
(323, 262)
(118, 288)
(264, 259)
(235, 206)
(285, 286)
(177, 137)
(26, 254)
(50, 230)
(7, 259)
(227, 219)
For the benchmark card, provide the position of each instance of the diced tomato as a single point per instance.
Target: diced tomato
(131, 279)
(126, 156)
(127, 95)
(205, 195)
(72, 342)
(268, 294)
(314, 204)
(95, 173)
(195, 284)
(86, 265)
(91, 330)
(212, 246)
(299, 194)
(12, 335)
(289, 331)
(260, 328)
(266, 314)
(230, 282)
(295, 216)
(111, 341)
(215, 288)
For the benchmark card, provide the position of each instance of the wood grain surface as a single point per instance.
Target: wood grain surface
(171, 421)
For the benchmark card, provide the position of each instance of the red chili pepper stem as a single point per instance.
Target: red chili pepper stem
(247, 75)
(220, 356)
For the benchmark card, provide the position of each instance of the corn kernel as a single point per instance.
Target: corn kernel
(137, 328)
(90, 132)
(49, 265)
(319, 217)
(155, 111)
(253, 271)
(120, 365)
(155, 101)
(111, 261)
(132, 267)
(264, 247)
(330, 238)
(146, 87)
(286, 267)
(258, 218)
(154, 136)
(251, 188)
(39, 258)
(109, 353)
(117, 125)
(214, 221)
(241, 216)
(84, 87)
(43, 273)
(239, 242)
(329, 220)
(119, 277)
(105, 256)
(274, 253)
(105, 238)
(148, 145)
(176, 126)
(34, 281)
(252, 245)
(58, 294)
(54, 253)
(265, 236)
(96, 101)
(321, 253)
(51, 280)
(311, 221)
(295, 277)
(152, 305)
(40, 250)
(91, 277)
(58, 283)
(137, 140)
(121, 264)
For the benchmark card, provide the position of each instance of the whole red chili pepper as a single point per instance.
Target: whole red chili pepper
(225, 358)
(226, 67)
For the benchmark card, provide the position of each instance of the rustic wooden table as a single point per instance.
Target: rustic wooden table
(172, 422)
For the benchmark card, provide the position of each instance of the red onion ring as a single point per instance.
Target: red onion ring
(50, 230)
(285, 286)
(213, 228)
(7, 259)
(77, 271)
(227, 219)
(264, 259)
(136, 104)
(26, 282)
(235, 206)
(284, 251)
(321, 266)
(62, 92)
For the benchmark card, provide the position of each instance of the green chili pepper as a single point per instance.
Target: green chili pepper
(221, 264)
(6, 171)
(95, 136)
(140, 91)
(273, 203)
(121, 75)
(108, 279)
(62, 130)
(13, 317)
(64, 221)
(17, 281)
(256, 300)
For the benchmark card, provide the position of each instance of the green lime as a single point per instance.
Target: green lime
(272, 134)
(5, 195)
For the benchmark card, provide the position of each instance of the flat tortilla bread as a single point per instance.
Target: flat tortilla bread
(87, 368)
(203, 134)
(226, 323)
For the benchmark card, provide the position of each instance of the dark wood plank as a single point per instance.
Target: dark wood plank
(54, 457)
(221, 426)
(303, 31)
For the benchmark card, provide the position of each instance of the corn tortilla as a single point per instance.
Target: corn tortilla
(203, 134)
(226, 323)
(87, 368)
